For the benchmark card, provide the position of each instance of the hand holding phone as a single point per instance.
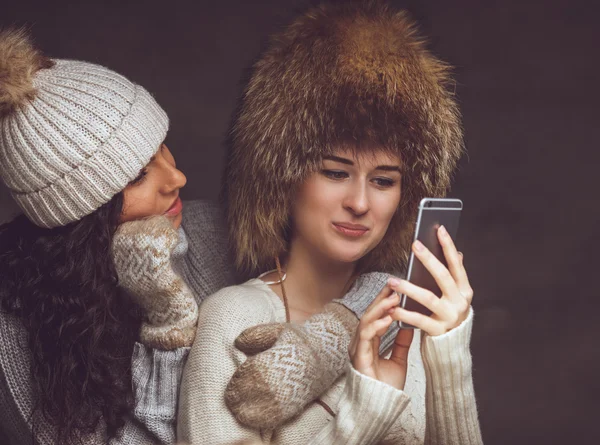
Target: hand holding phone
(436, 296)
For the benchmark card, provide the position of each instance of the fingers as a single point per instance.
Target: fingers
(384, 301)
(446, 314)
(365, 352)
(420, 295)
(440, 273)
(418, 320)
(401, 346)
(455, 263)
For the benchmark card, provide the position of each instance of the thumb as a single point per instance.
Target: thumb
(401, 347)
(258, 338)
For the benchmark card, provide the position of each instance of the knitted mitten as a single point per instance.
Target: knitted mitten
(298, 362)
(142, 251)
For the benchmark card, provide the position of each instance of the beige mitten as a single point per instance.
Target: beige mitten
(292, 365)
(275, 385)
(142, 251)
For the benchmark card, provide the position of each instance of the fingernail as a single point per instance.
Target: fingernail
(392, 295)
(418, 246)
(394, 281)
(443, 231)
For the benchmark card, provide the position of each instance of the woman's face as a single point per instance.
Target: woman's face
(344, 210)
(155, 190)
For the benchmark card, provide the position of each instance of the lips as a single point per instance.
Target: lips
(175, 208)
(349, 229)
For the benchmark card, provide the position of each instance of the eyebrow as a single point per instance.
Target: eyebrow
(388, 168)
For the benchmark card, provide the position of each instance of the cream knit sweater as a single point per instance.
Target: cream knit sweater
(439, 386)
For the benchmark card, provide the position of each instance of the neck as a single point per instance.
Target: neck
(313, 280)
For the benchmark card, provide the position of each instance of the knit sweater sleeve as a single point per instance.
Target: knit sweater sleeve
(18, 422)
(367, 409)
(450, 396)
(155, 376)
(206, 266)
(203, 416)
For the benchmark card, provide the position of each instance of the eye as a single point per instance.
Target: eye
(140, 177)
(384, 182)
(335, 174)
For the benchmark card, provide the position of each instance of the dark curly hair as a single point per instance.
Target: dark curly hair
(62, 284)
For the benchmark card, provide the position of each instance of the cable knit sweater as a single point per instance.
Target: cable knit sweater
(356, 410)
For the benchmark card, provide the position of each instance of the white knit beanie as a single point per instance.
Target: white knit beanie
(72, 135)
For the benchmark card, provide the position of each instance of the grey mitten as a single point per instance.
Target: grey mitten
(142, 253)
(298, 362)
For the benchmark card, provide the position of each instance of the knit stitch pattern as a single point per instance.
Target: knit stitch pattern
(276, 385)
(292, 365)
(85, 135)
(142, 251)
(364, 409)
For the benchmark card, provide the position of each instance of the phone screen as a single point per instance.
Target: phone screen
(433, 212)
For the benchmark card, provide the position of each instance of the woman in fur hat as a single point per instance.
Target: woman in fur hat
(345, 125)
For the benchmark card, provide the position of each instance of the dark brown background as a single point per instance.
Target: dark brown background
(528, 87)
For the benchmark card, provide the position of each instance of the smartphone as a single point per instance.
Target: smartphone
(433, 213)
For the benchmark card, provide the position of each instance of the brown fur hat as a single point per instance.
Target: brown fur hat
(353, 75)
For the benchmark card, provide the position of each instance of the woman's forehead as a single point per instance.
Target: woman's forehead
(364, 156)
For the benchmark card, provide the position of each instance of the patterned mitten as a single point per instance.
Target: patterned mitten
(142, 251)
(298, 362)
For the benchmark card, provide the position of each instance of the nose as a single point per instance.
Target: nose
(175, 180)
(357, 199)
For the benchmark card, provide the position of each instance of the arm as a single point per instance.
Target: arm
(381, 399)
(17, 400)
(155, 378)
(318, 351)
(202, 414)
(450, 396)
(144, 253)
(156, 375)
(367, 410)
(206, 267)
(201, 259)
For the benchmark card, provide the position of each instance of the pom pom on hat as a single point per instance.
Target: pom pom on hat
(19, 61)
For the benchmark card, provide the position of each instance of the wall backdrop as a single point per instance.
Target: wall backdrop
(527, 84)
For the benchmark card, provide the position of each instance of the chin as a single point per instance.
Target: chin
(176, 222)
(347, 253)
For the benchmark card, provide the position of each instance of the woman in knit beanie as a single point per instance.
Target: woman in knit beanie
(345, 125)
(82, 153)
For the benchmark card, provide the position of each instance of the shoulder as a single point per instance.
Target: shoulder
(247, 298)
(202, 215)
(208, 258)
(236, 308)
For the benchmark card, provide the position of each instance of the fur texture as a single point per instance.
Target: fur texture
(19, 61)
(351, 74)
